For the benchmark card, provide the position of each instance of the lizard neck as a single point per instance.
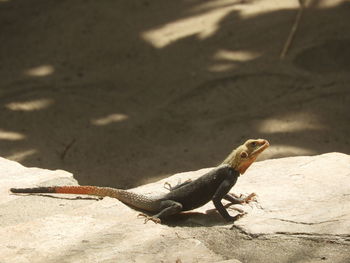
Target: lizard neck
(231, 160)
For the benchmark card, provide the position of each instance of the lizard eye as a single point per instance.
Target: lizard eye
(244, 155)
(253, 144)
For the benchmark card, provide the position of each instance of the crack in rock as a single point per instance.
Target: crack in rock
(304, 223)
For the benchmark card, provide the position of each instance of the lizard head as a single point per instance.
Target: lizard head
(243, 156)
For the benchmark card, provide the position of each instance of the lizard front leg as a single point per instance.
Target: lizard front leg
(220, 194)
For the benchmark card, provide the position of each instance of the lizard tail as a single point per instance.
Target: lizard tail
(34, 190)
(127, 197)
(83, 190)
(88, 190)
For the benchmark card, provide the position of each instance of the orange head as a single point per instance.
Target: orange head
(242, 157)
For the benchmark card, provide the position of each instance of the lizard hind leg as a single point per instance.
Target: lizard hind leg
(168, 208)
(169, 187)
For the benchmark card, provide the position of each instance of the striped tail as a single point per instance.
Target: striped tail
(136, 200)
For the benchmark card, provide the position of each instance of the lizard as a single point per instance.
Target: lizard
(212, 186)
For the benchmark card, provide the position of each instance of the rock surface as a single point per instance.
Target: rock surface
(298, 196)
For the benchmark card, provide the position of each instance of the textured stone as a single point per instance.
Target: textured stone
(296, 196)
(41, 229)
(299, 195)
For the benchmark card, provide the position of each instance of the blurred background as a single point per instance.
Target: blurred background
(122, 93)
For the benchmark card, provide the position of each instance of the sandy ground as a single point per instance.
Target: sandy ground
(121, 93)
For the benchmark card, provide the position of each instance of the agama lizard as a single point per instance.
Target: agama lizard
(213, 185)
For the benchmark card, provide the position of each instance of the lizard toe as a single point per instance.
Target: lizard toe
(156, 220)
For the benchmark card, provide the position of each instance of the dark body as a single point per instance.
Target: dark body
(213, 185)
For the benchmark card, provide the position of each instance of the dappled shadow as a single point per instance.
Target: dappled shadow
(121, 93)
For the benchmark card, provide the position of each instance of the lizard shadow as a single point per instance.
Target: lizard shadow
(210, 217)
(197, 219)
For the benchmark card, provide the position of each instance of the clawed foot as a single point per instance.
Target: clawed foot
(156, 220)
(167, 186)
(179, 184)
(246, 199)
(250, 198)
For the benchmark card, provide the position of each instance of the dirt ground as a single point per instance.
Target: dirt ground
(122, 93)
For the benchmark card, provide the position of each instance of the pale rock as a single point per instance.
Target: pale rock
(296, 196)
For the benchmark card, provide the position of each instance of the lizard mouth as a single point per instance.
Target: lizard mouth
(263, 145)
(245, 165)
